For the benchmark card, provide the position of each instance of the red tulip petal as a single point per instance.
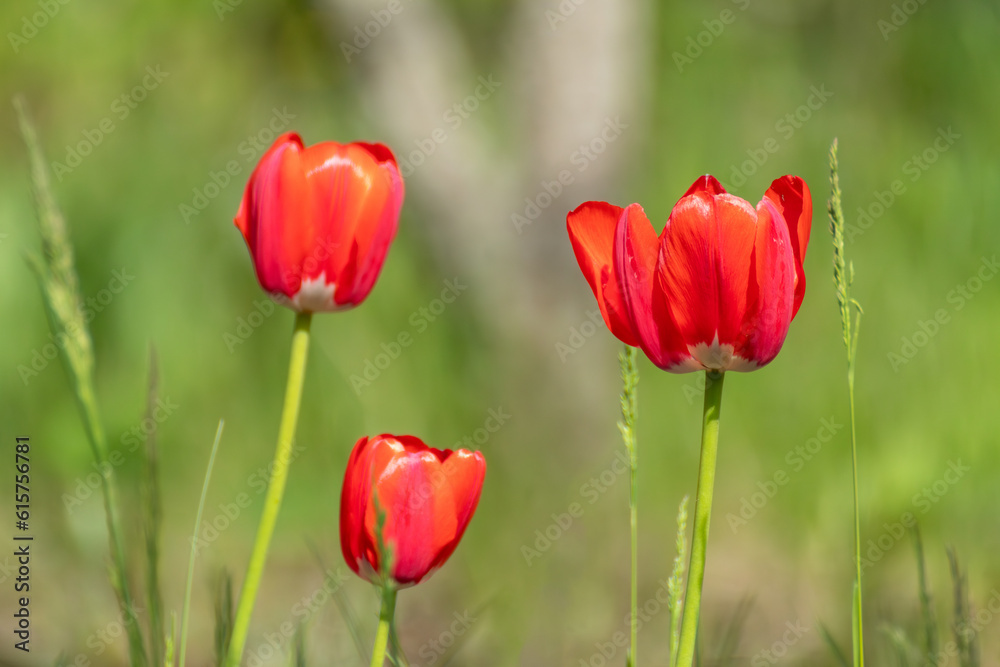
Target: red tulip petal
(772, 291)
(357, 548)
(271, 214)
(372, 251)
(420, 514)
(356, 194)
(791, 196)
(637, 250)
(591, 228)
(704, 268)
(708, 184)
(465, 472)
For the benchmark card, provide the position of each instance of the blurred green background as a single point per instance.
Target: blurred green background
(488, 103)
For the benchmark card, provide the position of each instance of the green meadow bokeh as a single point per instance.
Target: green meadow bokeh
(507, 115)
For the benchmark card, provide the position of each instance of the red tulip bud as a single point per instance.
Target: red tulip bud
(425, 497)
(318, 221)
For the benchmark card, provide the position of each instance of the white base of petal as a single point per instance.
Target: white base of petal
(315, 295)
(713, 357)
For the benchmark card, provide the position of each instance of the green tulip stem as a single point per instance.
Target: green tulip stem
(702, 516)
(275, 488)
(384, 624)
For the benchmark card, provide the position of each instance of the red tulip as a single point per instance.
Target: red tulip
(428, 496)
(318, 221)
(716, 290)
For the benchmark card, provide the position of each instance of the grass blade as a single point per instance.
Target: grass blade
(856, 637)
(223, 617)
(843, 277)
(152, 522)
(170, 648)
(675, 585)
(60, 289)
(629, 406)
(965, 635)
(299, 650)
(396, 655)
(734, 631)
(346, 610)
(926, 602)
(194, 548)
(902, 646)
(831, 644)
(456, 647)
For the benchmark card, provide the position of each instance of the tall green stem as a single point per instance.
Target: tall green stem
(858, 633)
(384, 624)
(275, 488)
(630, 380)
(843, 277)
(633, 523)
(702, 515)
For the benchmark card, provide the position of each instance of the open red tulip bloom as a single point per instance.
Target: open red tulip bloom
(716, 290)
(428, 496)
(318, 221)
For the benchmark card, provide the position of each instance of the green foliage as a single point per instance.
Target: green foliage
(193, 281)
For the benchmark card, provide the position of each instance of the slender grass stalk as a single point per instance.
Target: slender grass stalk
(344, 605)
(630, 381)
(185, 613)
(856, 636)
(702, 515)
(298, 658)
(675, 585)
(223, 616)
(275, 488)
(152, 524)
(396, 655)
(964, 633)
(730, 643)
(832, 645)
(169, 648)
(926, 602)
(385, 620)
(60, 289)
(901, 645)
(843, 277)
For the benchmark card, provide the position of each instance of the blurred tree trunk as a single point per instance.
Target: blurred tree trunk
(564, 97)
